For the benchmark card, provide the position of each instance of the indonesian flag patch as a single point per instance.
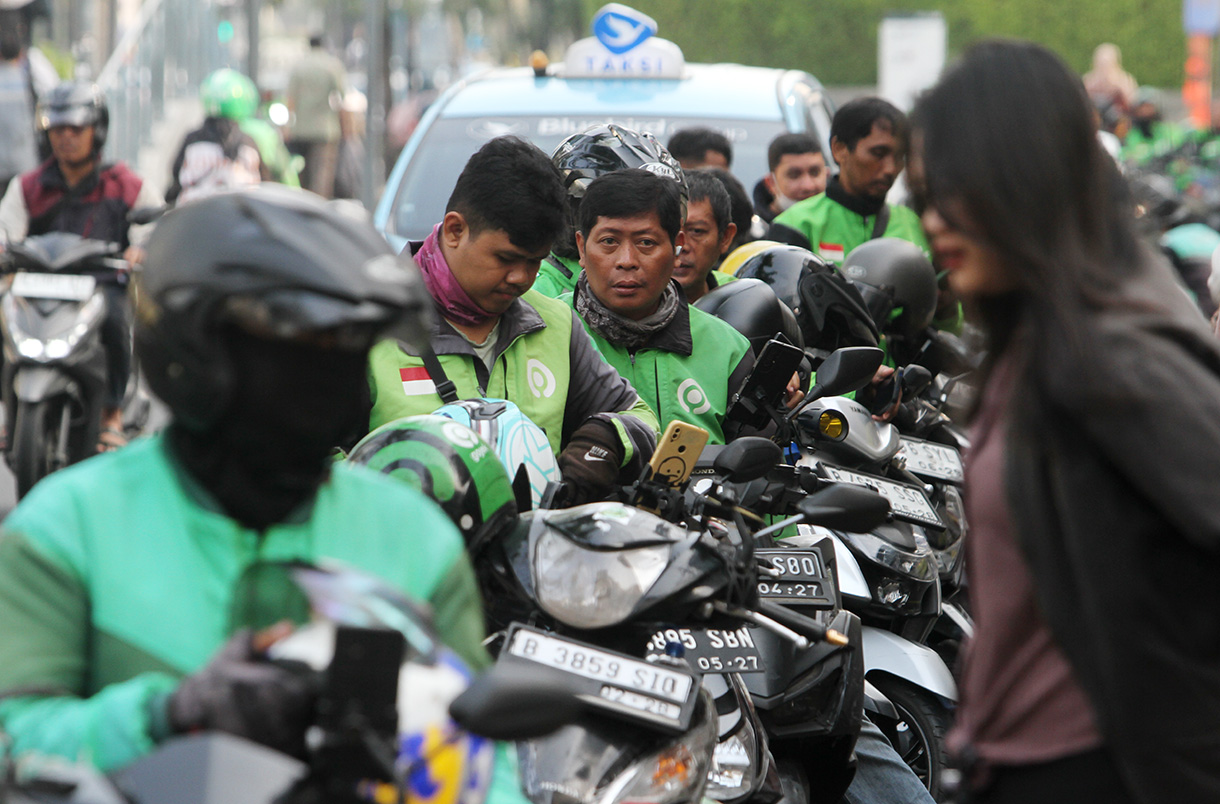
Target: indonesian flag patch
(831, 251)
(416, 381)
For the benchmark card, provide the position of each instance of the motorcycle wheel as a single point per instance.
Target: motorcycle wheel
(919, 733)
(36, 431)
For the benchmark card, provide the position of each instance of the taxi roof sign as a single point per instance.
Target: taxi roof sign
(624, 45)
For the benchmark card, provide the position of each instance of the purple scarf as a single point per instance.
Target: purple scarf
(453, 302)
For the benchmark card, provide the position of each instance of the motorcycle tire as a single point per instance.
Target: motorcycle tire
(36, 431)
(919, 733)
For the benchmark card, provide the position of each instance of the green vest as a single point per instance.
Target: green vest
(532, 370)
(691, 388)
(555, 280)
(833, 230)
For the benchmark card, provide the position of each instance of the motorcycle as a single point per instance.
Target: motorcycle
(596, 586)
(54, 375)
(399, 717)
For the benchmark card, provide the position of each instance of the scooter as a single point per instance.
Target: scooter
(54, 374)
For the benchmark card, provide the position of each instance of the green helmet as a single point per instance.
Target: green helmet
(450, 463)
(228, 93)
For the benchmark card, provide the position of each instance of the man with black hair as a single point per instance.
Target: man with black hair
(685, 363)
(797, 170)
(700, 147)
(315, 95)
(868, 139)
(495, 337)
(709, 231)
(749, 227)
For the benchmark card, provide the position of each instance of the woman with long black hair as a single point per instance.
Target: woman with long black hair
(1092, 484)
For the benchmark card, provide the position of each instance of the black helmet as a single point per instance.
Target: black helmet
(897, 281)
(753, 309)
(74, 103)
(828, 308)
(607, 148)
(278, 262)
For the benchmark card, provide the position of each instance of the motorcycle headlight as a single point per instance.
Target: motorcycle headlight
(733, 767)
(918, 565)
(587, 588)
(677, 772)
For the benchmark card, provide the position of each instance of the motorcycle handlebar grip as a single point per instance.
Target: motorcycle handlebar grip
(803, 625)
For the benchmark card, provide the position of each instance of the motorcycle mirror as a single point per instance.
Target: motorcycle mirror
(513, 703)
(748, 458)
(847, 369)
(842, 506)
(915, 380)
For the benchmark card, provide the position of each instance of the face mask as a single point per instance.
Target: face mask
(782, 201)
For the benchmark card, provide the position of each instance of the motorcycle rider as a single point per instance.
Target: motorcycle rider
(868, 140)
(219, 155)
(797, 170)
(495, 337)
(685, 363)
(709, 232)
(74, 191)
(699, 147)
(581, 158)
(118, 576)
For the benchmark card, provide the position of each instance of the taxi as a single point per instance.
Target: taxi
(622, 74)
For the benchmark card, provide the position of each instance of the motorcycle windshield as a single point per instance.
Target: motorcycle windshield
(613, 526)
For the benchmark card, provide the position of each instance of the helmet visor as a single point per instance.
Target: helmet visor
(56, 116)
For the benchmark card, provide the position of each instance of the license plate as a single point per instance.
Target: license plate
(711, 650)
(613, 682)
(795, 576)
(68, 287)
(906, 501)
(931, 460)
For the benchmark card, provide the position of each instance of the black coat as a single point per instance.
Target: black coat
(1113, 477)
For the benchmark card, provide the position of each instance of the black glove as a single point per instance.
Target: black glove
(590, 462)
(241, 692)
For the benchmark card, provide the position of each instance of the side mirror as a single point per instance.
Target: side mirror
(842, 506)
(915, 380)
(748, 458)
(847, 369)
(511, 703)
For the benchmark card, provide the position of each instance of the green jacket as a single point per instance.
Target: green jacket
(557, 276)
(1163, 137)
(832, 223)
(688, 371)
(117, 576)
(275, 155)
(544, 362)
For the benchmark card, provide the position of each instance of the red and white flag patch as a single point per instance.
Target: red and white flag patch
(831, 251)
(416, 381)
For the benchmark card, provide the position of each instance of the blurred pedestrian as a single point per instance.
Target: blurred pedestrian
(18, 143)
(316, 87)
(1091, 484)
(1111, 88)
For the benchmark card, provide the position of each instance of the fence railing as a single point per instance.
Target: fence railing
(163, 56)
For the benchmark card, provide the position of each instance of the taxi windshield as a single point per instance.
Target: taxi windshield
(424, 190)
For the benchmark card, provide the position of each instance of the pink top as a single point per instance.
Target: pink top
(1020, 701)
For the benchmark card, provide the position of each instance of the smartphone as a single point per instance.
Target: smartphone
(767, 381)
(677, 451)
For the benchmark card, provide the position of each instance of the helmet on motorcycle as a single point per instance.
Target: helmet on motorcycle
(74, 103)
(450, 463)
(739, 256)
(828, 308)
(897, 281)
(444, 764)
(607, 148)
(753, 309)
(519, 443)
(228, 93)
(273, 261)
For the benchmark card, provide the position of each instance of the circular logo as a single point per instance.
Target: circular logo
(460, 435)
(692, 399)
(541, 380)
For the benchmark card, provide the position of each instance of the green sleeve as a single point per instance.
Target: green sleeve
(457, 611)
(505, 781)
(45, 704)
